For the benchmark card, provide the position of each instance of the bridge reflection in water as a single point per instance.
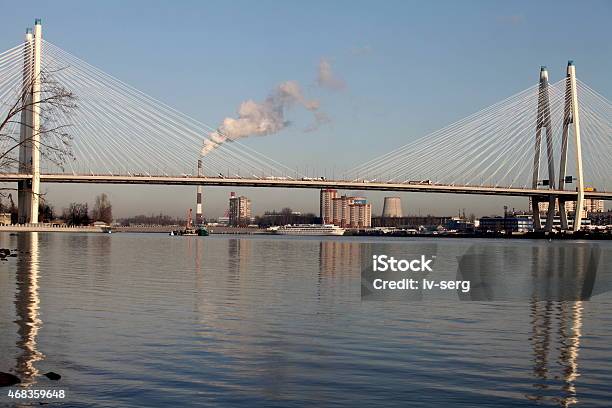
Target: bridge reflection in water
(27, 307)
(567, 316)
(554, 325)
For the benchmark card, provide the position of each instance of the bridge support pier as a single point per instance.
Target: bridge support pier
(28, 191)
(543, 122)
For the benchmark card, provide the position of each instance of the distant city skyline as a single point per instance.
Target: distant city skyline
(384, 74)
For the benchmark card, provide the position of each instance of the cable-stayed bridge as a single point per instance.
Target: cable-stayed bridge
(551, 142)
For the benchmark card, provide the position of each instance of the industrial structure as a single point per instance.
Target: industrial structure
(199, 213)
(392, 207)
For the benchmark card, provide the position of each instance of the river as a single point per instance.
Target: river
(132, 320)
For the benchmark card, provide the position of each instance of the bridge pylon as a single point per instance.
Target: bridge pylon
(29, 136)
(571, 116)
(543, 122)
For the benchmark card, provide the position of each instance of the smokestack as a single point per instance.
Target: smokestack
(199, 215)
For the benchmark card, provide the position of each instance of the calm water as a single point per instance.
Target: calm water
(150, 320)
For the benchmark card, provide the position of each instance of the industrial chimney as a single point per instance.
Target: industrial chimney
(199, 215)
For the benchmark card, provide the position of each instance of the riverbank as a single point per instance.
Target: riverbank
(51, 228)
(591, 235)
(170, 228)
(222, 230)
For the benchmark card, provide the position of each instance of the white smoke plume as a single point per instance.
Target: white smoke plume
(326, 77)
(263, 118)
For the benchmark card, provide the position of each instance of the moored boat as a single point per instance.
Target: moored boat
(307, 229)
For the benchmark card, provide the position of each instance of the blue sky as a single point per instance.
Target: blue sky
(409, 68)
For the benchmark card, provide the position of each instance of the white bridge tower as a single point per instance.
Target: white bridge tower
(29, 135)
(571, 116)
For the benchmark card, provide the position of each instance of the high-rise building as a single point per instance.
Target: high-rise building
(340, 212)
(326, 205)
(392, 207)
(360, 214)
(590, 206)
(352, 212)
(239, 210)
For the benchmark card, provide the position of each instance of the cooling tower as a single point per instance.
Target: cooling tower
(392, 207)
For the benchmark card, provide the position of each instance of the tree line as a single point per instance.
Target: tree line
(159, 219)
(284, 217)
(74, 214)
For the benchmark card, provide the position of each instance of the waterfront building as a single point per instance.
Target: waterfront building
(223, 220)
(411, 221)
(326, 205)
(360, 214)
(351, 212)
(511, 223)
(590, 205)
(601, 217)
(392, 207)
(460, 225)
(239, 210)
(340, 210)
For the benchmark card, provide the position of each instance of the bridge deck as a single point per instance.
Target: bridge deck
(289, 183)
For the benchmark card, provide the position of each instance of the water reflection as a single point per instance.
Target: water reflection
(263, 321)
(27, 307)
(239, 254)
(339, 257)
(568, 316)
(556, 272)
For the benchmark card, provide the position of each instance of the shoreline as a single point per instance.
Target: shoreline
(580, 235)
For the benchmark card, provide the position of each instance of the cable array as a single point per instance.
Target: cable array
(117, 129)
(11, 80)
(496, 145)
(596, 137)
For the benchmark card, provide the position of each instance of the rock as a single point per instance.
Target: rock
(13, 255)
(53, 376)
(6, 379)
(5, 252)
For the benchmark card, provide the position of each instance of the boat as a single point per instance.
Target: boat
(189, 232)
(189, 229)
(307, 229)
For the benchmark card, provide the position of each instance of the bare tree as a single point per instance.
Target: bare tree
(103, 210)
(76, 214)
(54, 102)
